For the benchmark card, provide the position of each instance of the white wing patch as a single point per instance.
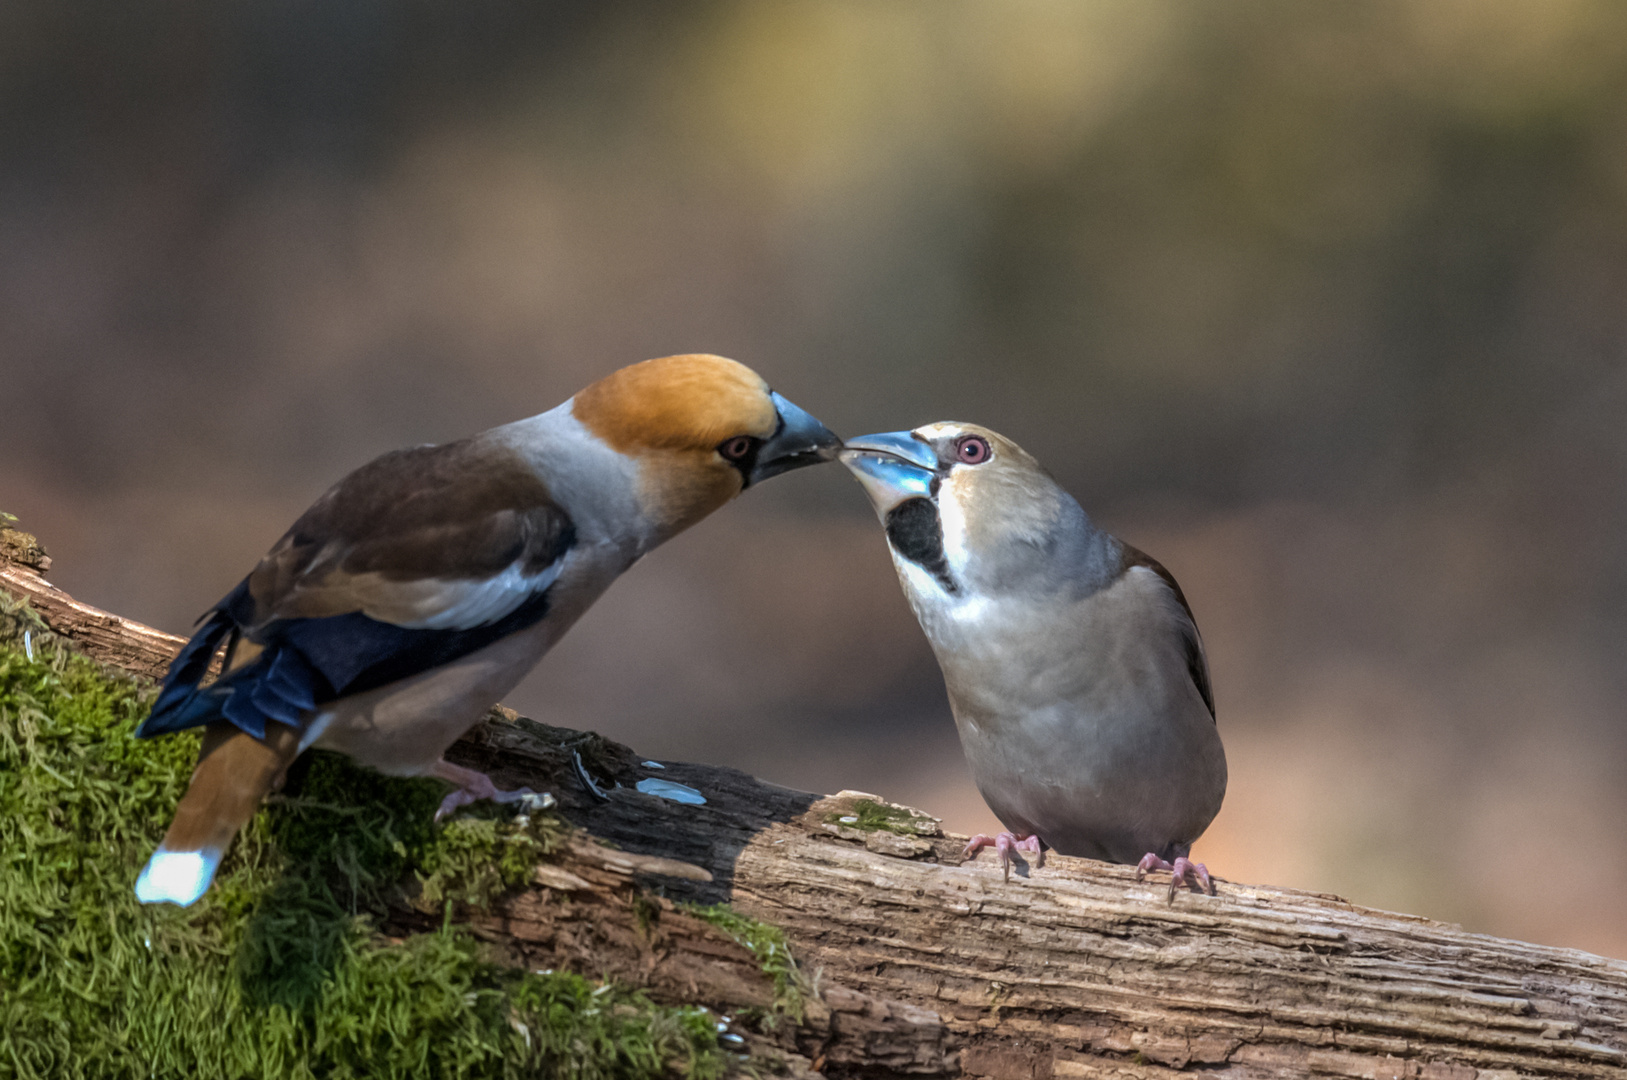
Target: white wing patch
(464, 604)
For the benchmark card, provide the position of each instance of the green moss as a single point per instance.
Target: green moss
(20, 546)
(278, 971)
(478, 858)
(869, 816)
(769, 945)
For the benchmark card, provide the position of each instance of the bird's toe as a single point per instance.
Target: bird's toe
(1148, 863)
(453, 800)
(1007, 845)
(1194, 874)
(1183, 871)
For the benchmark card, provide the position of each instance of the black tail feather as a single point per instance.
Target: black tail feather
(278, 685)
(177, 706)
(306, 662)
(282, 692)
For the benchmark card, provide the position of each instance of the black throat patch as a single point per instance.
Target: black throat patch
(915, 533)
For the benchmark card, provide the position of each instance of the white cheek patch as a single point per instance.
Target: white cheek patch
(931, 600)
(176, 877)
(969, 609)
(920, 583)
(933, 604)
(952, 519)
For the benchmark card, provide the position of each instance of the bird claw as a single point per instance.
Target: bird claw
(532, 801)
(1183, 871)
(456, 799)
(528, 799)
(474, 786)
(1006, 845)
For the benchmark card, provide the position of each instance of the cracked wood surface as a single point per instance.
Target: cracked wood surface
(925, 966)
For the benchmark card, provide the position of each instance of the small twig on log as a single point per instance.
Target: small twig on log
(919, 965)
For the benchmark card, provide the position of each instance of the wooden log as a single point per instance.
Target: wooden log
(111, 639)
(915, 963)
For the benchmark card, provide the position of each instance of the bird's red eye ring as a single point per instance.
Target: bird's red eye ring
(736, 448)
(972, 450)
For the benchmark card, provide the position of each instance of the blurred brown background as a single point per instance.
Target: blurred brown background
(1325, 305)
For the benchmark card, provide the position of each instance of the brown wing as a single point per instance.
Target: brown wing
(417, 537)
(408, 563)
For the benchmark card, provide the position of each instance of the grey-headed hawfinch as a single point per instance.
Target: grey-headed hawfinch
(421, 587)
(1074, 667)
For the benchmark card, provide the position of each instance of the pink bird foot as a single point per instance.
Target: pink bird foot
(472, 786)
(1182, 871)
(1005, 844)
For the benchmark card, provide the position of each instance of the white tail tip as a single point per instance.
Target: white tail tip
(176, 877)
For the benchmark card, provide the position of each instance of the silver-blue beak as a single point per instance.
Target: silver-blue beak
(801, 440)
(891, 467)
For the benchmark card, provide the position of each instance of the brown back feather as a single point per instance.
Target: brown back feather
(463, 510)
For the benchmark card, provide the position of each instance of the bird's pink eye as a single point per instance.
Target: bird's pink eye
(736, 448)
(972, 450)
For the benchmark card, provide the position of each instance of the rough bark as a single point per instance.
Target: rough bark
(119, 642)
(916, 964)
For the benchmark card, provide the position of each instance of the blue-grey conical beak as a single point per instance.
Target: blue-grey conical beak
(891, 467)
(801, 440)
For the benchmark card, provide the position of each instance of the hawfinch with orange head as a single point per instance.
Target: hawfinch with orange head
(424, 585)
(1074, 667)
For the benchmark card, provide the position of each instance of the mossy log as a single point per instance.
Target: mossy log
(912, 963)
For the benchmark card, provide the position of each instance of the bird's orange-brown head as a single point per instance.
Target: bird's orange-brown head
(702, 429)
